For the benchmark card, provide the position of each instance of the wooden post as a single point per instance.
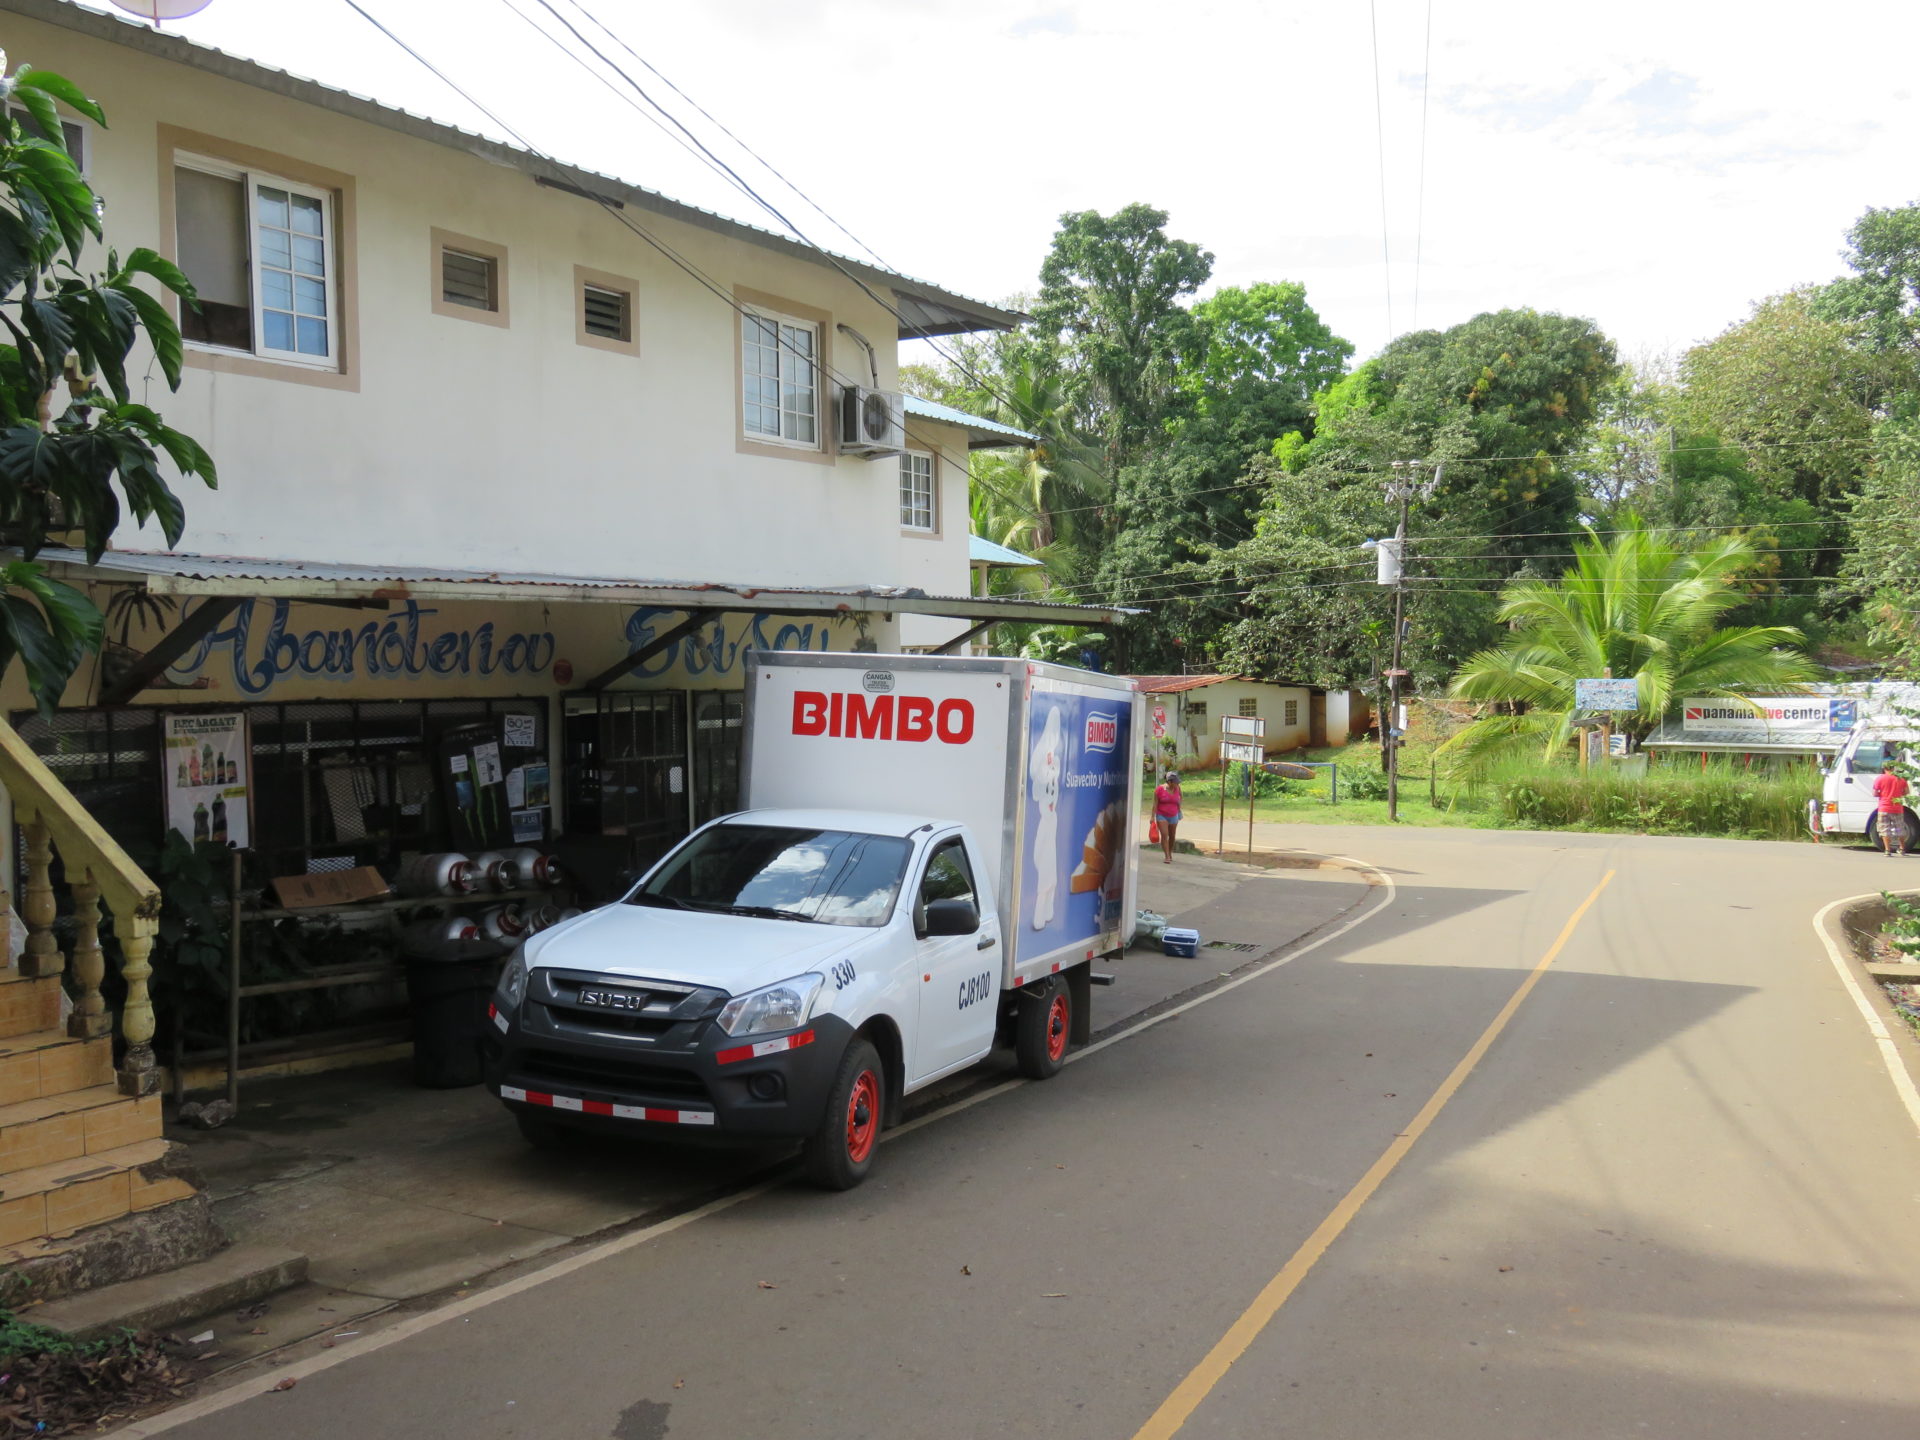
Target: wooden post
(138, 1073)
(36, 905)
(89, 1020)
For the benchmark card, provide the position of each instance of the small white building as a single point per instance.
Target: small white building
(1187, 710)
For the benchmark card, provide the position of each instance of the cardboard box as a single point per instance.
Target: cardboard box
(335, 887)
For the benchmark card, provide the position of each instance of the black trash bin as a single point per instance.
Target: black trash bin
(447, 1000)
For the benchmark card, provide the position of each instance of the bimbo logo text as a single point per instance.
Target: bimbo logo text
(1103, 730)
(854, 716)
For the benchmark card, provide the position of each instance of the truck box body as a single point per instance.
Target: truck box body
(1039, 761)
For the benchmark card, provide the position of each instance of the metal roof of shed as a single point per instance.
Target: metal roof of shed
(986, 434)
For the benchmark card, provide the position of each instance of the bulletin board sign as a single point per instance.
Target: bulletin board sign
(206, 771)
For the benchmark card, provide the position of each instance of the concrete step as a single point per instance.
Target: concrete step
(236, 1276)
(68, 1195)
(27, 1005)
(49, 1062)
(50, 1128)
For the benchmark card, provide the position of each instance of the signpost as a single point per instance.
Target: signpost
(1242, 738)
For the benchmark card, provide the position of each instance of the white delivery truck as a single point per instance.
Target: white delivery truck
(1847, 804)
(935, 852)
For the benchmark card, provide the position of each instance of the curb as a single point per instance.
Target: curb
(1899, 1050)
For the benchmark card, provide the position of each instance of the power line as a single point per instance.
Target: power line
(1420, 208)
(1380, 147)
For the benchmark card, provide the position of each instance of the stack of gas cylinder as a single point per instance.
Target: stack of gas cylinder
(489, 872)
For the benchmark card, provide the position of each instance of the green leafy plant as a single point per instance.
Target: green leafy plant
(60, 463)
(1903, 929)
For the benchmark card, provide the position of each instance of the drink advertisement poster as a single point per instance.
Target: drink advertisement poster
(1078, 793)
(206, 771)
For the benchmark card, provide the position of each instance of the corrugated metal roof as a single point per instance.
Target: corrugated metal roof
(1673, 735)
(188, 574)
(982, 551)
(929, 309)
(986, 433)
(1174, 684)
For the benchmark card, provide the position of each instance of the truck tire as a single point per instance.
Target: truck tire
(541, 1133)
(1041, 1027)
(1913, 832)
(838, 1155)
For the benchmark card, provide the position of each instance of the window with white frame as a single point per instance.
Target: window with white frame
(260, 251)
(916, 492)
(780, 379)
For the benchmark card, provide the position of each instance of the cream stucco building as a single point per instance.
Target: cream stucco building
(500, 441)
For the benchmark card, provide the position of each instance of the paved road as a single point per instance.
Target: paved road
(1676, 1196)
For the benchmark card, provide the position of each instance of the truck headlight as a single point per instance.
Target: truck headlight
(512, 988)
(785, 1006)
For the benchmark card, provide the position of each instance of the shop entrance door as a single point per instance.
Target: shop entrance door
(719, 718)
(626, 781)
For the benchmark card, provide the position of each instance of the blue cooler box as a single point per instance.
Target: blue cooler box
(1181, 942)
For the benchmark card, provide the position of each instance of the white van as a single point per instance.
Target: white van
(1846, 806)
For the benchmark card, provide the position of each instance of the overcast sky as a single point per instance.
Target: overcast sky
(1654, 166)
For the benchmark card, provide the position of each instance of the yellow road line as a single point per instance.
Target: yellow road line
(1178, 1407)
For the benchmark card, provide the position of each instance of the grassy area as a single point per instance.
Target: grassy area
(1670, 800)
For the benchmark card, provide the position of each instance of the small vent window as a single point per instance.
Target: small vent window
(471, 280)
(1293, 712)
(607, 313)
(1196, 709)
(1250, 707)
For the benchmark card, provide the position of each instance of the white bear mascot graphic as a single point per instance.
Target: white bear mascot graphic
(1043, 788)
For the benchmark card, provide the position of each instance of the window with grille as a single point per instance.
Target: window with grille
(604, 311)
(779, 384)
(260, 252)
(1293, 712)
(1250, 707)
(916, 492)
(1196, 709)
(470, 280)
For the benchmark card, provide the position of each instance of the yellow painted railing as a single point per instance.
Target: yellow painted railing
(97, 870)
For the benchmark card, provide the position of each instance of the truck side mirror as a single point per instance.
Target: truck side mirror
(951, 917)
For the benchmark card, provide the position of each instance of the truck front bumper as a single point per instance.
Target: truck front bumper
(687, 1080)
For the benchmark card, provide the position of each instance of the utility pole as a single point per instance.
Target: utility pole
(1392, 570)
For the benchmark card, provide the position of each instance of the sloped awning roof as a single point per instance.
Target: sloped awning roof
(982, 551)
(982, 433)
(1174, 684)
(239, 576)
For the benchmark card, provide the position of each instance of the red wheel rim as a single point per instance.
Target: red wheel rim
(863, 1116)
(1057, 1027)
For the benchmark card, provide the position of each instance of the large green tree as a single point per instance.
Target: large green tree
(1648, 605)
(1111, 289)
(76, 450)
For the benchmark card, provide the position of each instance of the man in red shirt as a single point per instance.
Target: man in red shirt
(1891, 793)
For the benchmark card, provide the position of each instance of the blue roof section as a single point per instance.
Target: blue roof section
(985, 432)
(984, 552)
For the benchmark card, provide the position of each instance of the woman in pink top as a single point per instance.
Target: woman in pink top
(1891, 791)
(1166, 810)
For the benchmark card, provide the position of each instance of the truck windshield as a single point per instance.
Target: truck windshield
(831, 876)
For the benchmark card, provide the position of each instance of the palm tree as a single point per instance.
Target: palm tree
(1644, 605)
(1048, 501)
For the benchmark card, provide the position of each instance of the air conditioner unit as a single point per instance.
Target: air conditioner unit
(872, 422)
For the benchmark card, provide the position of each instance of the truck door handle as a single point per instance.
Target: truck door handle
(985, 942)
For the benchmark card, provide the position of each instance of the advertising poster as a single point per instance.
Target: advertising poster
(1078, 794)
(474, 787)
(205, 770)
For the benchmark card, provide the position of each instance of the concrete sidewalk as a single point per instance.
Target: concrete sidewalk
(396, 1193)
